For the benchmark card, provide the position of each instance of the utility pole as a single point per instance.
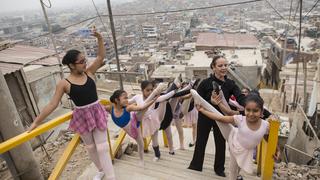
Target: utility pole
(286, 36)
(22, 159)
(305, 95)
(298, 55)
(52, 39)
(114, 41)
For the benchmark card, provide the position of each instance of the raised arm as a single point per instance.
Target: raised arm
(49, 108)
(134, 107)
(98, 62)
(132, 100)
(215, 116)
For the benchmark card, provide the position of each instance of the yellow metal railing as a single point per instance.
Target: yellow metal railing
(58, 169)
(23, 137)
(266, 150)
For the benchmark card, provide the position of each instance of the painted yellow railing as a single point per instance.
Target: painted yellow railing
(266, 150)
(56, 172)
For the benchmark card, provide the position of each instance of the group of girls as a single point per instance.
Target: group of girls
(154, 108)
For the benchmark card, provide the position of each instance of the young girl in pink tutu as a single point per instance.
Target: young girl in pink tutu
(124, 115)
(89, 117)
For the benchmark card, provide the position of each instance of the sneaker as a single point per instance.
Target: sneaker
(156, 159)
(191, 144)
(160, 88)
(157, 153)
(99, 176)
(239, 177)
(172, 153)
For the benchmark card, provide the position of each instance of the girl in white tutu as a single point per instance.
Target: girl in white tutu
(243, 138)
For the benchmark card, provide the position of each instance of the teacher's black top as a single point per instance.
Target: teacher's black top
(228, 88)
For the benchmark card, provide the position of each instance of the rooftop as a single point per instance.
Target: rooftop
(18, 56)
(169, 71)
(227, 40)
(259, 26)
(243, 57)
(199, 59)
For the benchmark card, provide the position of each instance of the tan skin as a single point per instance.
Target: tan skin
(77, 76)
(147, 91)
(245, 92)
(220, 68)
(122, 101)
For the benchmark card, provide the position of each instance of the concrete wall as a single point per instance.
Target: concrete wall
(197, 72)
(43, 89)
(125, 77)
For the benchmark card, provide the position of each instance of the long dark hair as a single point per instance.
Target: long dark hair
(70, 57)
(253, 97)
(116, 94)
(145, 84)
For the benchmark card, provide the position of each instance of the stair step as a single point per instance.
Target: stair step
(168, 167)
(168, 170)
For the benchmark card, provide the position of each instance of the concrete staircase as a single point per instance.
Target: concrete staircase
(168, 167)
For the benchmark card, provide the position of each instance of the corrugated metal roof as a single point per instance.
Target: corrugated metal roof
(14, 58)
(7, 68)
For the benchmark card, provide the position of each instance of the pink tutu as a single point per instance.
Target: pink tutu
(87, 118)
(191, 117)
(150, 122)
(134, 126)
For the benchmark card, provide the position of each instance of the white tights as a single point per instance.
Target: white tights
(139, 140)
(178, 123)
(97, 147)
(155, 140)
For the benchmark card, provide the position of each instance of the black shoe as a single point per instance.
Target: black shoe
(194, 168)
(239, 177)
(172, 153)
(156, 151)
(222, 174)
(191, 145)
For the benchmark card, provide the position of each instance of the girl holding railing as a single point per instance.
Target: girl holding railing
(89, 117)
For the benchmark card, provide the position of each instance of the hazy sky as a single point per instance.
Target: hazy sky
(20, 5)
